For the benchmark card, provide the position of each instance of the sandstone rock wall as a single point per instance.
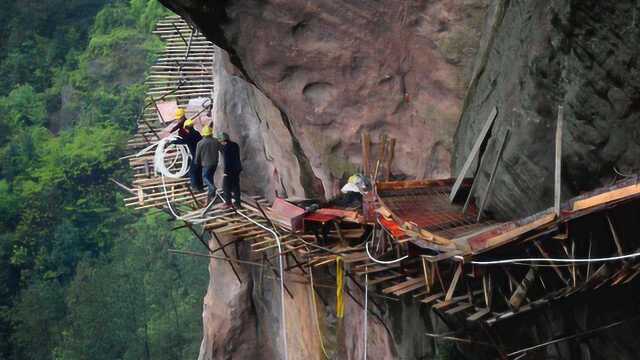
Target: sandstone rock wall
(270, 161)
(228, 318)
(242, 320)
(337, 68)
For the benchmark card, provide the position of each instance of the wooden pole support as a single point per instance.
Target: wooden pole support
(390, 155)
(492, 176)
(366, 148)
(472, 155)
(383, 147)
(519, 295)
(558, 162)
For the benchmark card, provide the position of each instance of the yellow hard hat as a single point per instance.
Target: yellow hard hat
(180, 113)
(206, 131)
(188, 122)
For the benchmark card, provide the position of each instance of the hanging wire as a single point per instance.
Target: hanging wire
(553, 260)
(382, 262)
(366, 307)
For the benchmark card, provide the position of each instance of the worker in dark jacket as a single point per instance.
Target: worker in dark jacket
(207, 157)
(190, 137)
(232, 168)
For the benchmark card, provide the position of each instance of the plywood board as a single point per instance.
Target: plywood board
(606, 197)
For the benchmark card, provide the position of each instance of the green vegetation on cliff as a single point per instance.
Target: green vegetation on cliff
(81, 277)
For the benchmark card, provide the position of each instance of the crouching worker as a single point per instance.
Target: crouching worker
(232, 168)
(207, 158)
(190, 137)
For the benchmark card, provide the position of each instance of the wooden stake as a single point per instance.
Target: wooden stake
(492, 176)
(558, 162)
(614, 235)
(383, 147)
(391, 152)
(472, 155)
(521, 291)
(366, 147)
(486, 289)
(454, 283)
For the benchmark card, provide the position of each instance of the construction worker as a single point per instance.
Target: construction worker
(232, 168)
(207, 157)
(190, 137)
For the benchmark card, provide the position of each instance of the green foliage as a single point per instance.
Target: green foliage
(81, 277)
(38, 36)
(60, 185)
(147, 12)
(22, 108)
(138, 304)
(39, 313)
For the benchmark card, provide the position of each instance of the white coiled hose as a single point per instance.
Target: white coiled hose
(161, 168)
(182, 154)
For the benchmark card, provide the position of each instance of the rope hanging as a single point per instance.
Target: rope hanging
(315, 312)
(365, 310)
(339, 287)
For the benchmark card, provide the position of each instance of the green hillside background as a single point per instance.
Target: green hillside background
(81, 277)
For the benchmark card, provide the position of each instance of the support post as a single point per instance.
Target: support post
(224, 251)
(426, 275)
(383, 148)
(472, 155)
(366, 148)
(390, 155)
(492, 176)
(454, 283)
(616, 239)
(521, 291)
(558, 162)
(486, 289)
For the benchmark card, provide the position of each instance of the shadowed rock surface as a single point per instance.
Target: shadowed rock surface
(536, 56)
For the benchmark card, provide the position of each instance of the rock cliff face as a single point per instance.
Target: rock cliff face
(241, 319)
(272, 165)
(336, 68)
(309, 76)
(535, 56)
